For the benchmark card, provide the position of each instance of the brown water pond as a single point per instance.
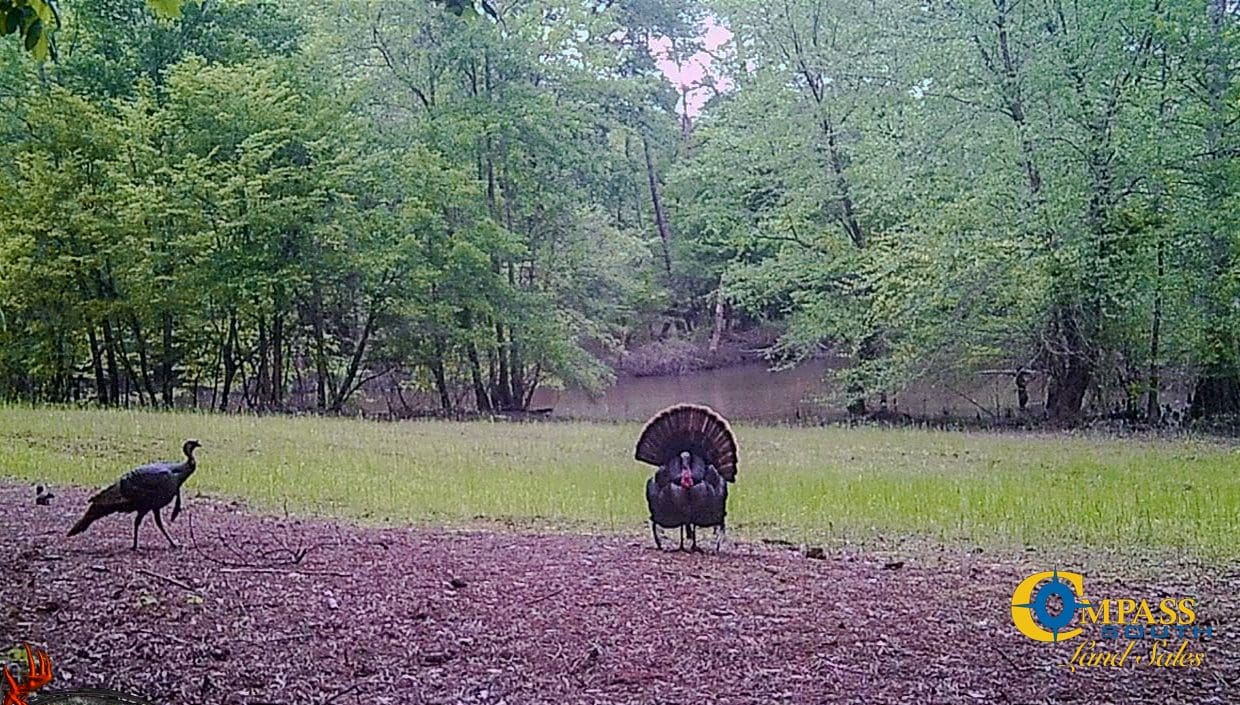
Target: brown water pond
(805, 393)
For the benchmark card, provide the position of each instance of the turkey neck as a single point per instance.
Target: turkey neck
(187, 468)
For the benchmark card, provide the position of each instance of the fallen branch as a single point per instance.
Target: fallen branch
(268, 557)
(548, 596)
(284, 571)
(341, 693)
(166, 579)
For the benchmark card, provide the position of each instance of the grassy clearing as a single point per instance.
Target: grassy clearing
(817, 485)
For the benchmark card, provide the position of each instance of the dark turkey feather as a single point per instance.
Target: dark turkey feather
(708, 498)
(693, 428)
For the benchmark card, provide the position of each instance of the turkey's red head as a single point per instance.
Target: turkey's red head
(686, 473)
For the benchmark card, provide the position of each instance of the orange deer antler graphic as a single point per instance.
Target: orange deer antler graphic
(39, 674)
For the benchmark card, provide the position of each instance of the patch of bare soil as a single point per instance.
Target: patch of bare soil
(259, 609)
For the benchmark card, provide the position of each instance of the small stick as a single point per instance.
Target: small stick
(248, 569)
(548, 596)
(296, 556)
(340, 694)
(286, 637)
(166, 579)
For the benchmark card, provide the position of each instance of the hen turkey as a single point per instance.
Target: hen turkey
(695, 453)
(144, 489)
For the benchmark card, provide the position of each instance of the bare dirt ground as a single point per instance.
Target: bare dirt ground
(409, 616)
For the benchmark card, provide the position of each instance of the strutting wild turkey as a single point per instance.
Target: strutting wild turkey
(695, 453)
(148, 488)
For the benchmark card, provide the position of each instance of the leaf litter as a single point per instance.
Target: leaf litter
(368, 615)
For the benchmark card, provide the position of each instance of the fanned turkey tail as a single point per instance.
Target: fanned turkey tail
(689, 427)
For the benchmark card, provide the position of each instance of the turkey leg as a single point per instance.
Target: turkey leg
(136, 523)
(160, 523)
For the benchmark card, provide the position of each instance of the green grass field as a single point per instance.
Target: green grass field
(797, 484)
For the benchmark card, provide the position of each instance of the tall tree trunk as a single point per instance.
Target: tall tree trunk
(261, 379)
(109, 349)
(299, 380)
(277, 347)
(656, 202)
(247, 389)
(132, 383)
(322, 374)
(503, 390)
(346, 387)
(1070, 369)
(492, 198)
(215, 368)
(228, 355)
(143, 359)
(529, 393)
(167, 360)
(516, 366)
(639, 195)
(848, 215)
(441, 378)
(830, 128)
(481, 399)
(517, 374)
(96, 361)
(326, 383)
(1014, 105)
(721, 320)
(492, 377)
(1152, 410)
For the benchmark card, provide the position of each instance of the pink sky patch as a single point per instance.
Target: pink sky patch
(694, 74)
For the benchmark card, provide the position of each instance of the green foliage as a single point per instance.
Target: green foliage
(229, 216)
(33, 21)
(166, 9)
(975, 185)
(283, 201)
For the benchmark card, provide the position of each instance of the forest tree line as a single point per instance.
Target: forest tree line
(259, 196)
